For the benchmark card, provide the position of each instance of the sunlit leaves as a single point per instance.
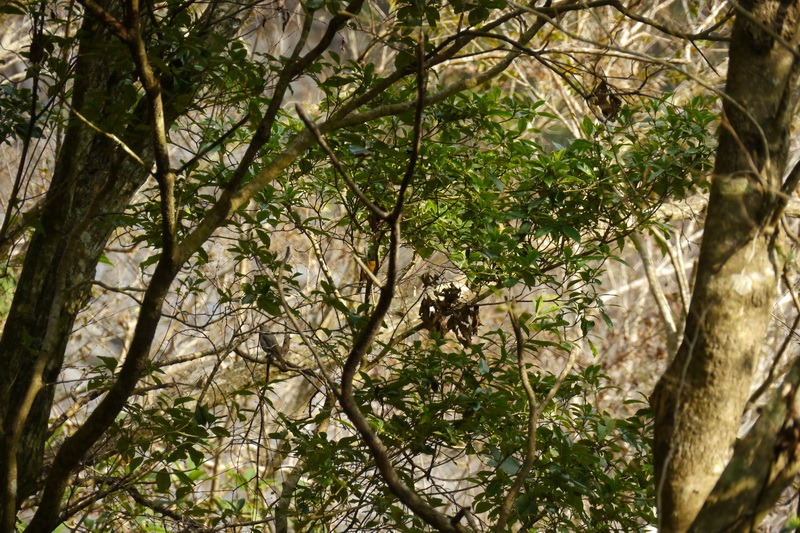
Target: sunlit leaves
(494, 201)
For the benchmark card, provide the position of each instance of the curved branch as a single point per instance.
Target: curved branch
(364, 340)
(705, 35)
(534, 412)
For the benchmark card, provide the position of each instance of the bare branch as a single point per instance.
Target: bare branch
(658, 292)
(111, 136)
(116, 27)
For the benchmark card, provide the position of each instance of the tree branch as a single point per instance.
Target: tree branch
(116, 27)
(764, 463)
(657, 291)
(364, 340)
(534, 412)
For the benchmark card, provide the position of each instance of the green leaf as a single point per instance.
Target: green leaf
(478, 15)
(337, 81)
(358, 150)
(13, 8)
(510, 465)
(197, 456)
(572, 233)
(109, 362)
(152, 260)
(403, 60)
(163, 481)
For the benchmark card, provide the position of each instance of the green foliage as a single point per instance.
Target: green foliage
(440, 407)
(506, 213)
(518, 220)
(160, 456)
(8, 282)
(793, 524)
(14, 120)
(591, 473)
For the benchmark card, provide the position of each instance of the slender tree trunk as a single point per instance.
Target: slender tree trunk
(94, 179)
(699, 401)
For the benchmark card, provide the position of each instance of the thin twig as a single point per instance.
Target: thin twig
(676, 256)
(217, 142)
(366, 270)
(657, 291)
(119, 142)
(323, 264)
(377, 211)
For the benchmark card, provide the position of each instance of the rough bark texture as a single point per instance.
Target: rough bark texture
(93, 180)
(765, 462)
(87, 163)
(699, 401)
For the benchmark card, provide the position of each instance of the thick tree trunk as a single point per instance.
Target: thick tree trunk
(93, 180)
(765, 462)
(70, 240)
(699, 401)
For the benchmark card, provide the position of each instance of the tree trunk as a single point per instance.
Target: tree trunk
(699, 401)
(36, 328)
(93, 180)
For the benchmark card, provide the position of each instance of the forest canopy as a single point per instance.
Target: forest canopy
(428, 265)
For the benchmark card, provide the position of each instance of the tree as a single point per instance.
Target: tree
(412, 250)
(700, 399)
